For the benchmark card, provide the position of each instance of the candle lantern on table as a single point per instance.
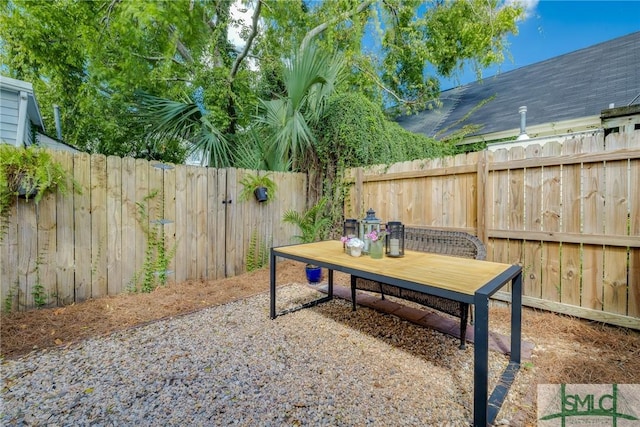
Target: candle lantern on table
(367, 225)
(395, 239)
(350, 229)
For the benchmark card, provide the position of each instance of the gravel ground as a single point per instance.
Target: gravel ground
(232, 365)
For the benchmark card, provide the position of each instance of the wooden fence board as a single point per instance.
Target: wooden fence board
(142, 203)
(472, 179)
(437, 192)
(220, 210)
(82, 223)
(533, 221)
(593, 222)
(212, 222)
(459, 193)
(181, 225)
(169, 213)
(46, 249)
(202, 251)
(448, 196)
(157, 219)
(231, 221)
(424, 191)
(28, 251)
(99, 242)
(192, 223)
(551, 200)
(634, 229)
(114, 225)
(64, 259)
(245, 210)
(500, 208)
(9, 251)
(570, 221)
(616, 223)
(513, 249)
(129, 223)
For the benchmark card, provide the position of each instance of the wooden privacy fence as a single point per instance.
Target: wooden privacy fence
(70, 248)
(568, 213)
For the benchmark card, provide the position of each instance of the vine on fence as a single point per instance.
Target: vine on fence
(258, 253)
(157, 257)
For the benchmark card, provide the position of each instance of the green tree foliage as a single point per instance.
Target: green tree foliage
(309, 79)
(93, 57)
(355, 133)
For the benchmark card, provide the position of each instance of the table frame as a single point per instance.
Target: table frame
(485, 408)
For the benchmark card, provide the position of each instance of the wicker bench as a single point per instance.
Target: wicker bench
(453, 243)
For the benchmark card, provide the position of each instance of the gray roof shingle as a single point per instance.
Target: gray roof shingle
(569, 86)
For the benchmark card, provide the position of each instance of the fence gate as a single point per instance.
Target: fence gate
(99, 241)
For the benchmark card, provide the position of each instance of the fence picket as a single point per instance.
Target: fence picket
(142, 191)
(169, 213)
(513, 249)
(82, 223)
(634, 229)
(9, 251)
(99, 242)
(593, 223)
(28, 252)
(181, 225)
(46, 249)
(551, 200)
(220, 231)
(616, 223)
(64, 257)
(129, 223)
(570, 222)
(114, 225)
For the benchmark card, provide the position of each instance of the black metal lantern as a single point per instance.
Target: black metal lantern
(350, 228)
(395, 239)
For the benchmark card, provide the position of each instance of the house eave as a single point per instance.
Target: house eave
(33, 110)
(582, 124)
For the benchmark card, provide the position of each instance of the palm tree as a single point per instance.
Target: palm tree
(186, 121)
(310, 78)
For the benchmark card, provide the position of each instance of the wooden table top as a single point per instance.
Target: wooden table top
(461, 275)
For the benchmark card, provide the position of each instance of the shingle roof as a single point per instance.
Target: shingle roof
(569, 86)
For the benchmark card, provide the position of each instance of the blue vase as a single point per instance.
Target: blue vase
(314, 273)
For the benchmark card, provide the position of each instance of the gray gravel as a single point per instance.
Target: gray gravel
(232, 365)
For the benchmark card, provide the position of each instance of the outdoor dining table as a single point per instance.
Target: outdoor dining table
(459, 279)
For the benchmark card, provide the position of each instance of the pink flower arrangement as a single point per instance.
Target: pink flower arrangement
(374, 235)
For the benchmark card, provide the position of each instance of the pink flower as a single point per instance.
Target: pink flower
(374, 235)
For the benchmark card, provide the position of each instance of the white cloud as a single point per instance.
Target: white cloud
(529, 6)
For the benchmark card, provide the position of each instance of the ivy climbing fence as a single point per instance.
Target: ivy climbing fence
(568, 213)
(135, 222)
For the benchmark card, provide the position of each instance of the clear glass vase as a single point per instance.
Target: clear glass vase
(376, 249)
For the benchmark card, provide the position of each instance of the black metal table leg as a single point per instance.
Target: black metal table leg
(480, 360)
(272, 284)
(516, 318)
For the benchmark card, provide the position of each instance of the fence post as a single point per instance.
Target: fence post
(481, 182)
(359, 188)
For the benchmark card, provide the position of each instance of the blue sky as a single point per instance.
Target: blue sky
(552, 28)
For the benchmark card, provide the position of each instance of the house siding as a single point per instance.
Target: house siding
(8, 116)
